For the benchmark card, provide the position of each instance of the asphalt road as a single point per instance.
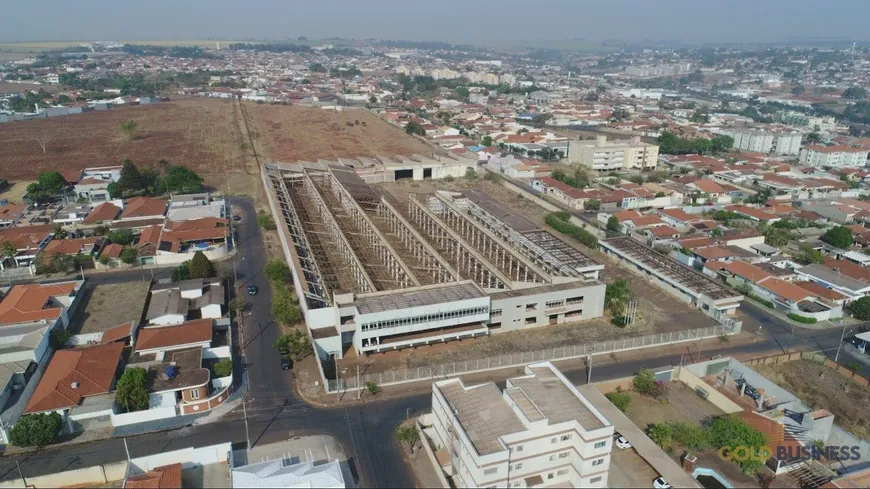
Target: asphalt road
(275, 413)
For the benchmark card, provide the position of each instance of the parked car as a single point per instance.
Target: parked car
(661, 483)
(253, 290)
(285, 363)
(237, 218)
(622, 443)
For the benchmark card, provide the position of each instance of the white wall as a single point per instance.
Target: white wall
(219, 352)
(124, 419)
(188, 457)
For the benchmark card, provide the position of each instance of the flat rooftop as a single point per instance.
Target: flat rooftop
(483, 414)
(542, 289)
(423, 296)
(669, 267)
(512, 218)
(555, 401)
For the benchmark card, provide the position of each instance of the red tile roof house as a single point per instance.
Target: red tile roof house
(10, 214)
(178, 358)
(28, 314)
(179, 240)
(143, 209)
(78, 383)
(28, 241)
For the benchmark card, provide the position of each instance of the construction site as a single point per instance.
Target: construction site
(380, 272)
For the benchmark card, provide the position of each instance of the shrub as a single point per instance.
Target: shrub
(223, 368)
(408, 435)
(691, 436)
(619, 399)
(278, 271)
(860, 308)
(448, 178)
(129, 255)
(731, 431)
(200, 266)
(644, 383)
(801, 319)
(296, 344)
(265, 221)
(723, 338)
(372, 387)
(59, 338)
(559, 222)
(36, 430)
(853, 366)
(121, 237)
(660, 433)
(284, 306)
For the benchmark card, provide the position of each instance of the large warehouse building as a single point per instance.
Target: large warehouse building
(379, 273)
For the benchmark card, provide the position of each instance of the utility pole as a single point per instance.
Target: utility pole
(840, 344)
(700, 344)
(358, 387)
(588, 369)
(790, 339)
(127, 449)
(247, 433)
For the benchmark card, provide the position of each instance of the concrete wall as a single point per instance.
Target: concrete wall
(84, 339)
(218, 352)
(709, 393)
(124, 419)
(188, 457)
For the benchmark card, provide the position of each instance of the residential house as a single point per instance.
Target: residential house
(104, 213)
(93, 189)
(10, 214)
(540, 430)
(842, 276)
(753, 214)
(181, 239)
(711, 191)
(76, 246)
(196, 206)
(28, 242)
(163, 477)
(77, 383)
(176, 303)
(141, 212)
(179, 358)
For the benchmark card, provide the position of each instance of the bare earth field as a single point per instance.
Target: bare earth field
(20, 87)
(106, 306)
(303, 133)
(202, 134)
(820, 387)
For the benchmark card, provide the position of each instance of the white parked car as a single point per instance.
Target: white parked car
(622, 443)
(661, 483)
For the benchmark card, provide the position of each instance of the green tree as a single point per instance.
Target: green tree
(592, 204)
(223, 368)
(131, 391)
(645, 383)
(284, 307)
(201, 266)
(9, 250)
(636, 179)
(814, 138)
(807, 255)
(798, 89)
(121, 237)
(36, 430)
(616, 297)
(838, 236)
(860, 308)
(721, 143)
(613, 224)
(855, 93)
(774, 236)
(700, 116)
(128, 129)
(296, 344)
(486, 141)
(372, 388)
(373, 100)
(128, 255)
(413, 127)
(130, 179)
(277, 271)
(181, 180)
(408, 435)
(48, 185)
(114, 190)
(463, 93)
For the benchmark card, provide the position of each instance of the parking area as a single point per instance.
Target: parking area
(628, 469)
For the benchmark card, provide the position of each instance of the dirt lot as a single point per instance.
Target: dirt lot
(820, 387)
(202, 134)
(301, 133)
(15, 192)
(106, 306)
(683, 405)
(19, 87)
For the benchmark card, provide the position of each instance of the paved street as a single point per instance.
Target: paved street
(365, 431)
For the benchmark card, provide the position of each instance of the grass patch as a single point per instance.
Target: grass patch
(802, 319)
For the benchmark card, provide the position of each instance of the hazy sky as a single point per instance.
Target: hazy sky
(447, 20)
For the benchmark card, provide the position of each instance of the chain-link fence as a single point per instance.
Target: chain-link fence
(447, 370)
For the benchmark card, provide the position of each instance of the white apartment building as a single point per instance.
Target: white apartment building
(604, 155)
(834, 156)
(766, 142)
(539, 432)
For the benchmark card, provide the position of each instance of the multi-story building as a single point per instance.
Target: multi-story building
(540, 431)
(604, 155)
(834, 156)
(766, 142)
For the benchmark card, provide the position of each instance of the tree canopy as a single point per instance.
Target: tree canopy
(200, 266)
(860, 308)
(48, 185)
(181, 180)
(670, 143)
(855, 93)
(838, 236)
(36, 430)
(131, 391)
